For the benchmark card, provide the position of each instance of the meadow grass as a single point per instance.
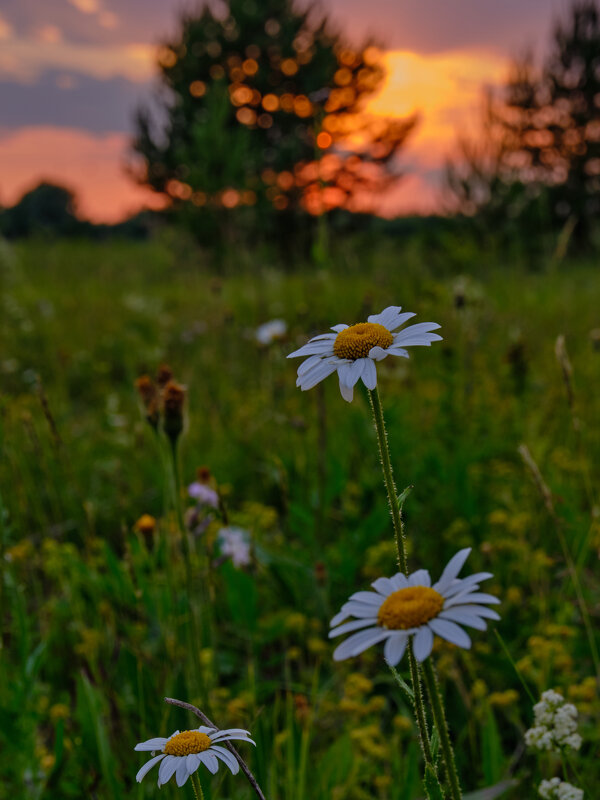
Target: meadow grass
(96, 618)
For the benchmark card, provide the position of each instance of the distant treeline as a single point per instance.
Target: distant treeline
(49, 210)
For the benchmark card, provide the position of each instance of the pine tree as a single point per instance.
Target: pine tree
(257, 108)
(539, 157)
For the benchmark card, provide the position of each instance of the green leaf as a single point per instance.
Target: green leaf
(491, 746)
(403, 495)
(406, 690)
(433, 790)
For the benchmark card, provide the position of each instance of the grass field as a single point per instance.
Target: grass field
(100, 621)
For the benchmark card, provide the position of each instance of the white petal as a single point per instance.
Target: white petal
(417, 334)
(464, 618)
(181, 773)
(338, 328)
(307, 365)
(422, 643)
(422, 339)
(355, 625)
(204, 729)
(315, 375)
(350, 373)
(419, 578)
(450, 631)
(394, 648)
(399, 581)
(347, 392)
(314, 349)
(481, 611)
(398, 351)
(148, 766)
(465, 599)
(228, 758)
(471, 582)
(167, 768)
(378, 353)
(152, 744)
(384, 586)
(361, 641)
(391, 318)
(367, 597)
(230, 732)
(358, 609)
(453, 567)
(369, 376)
(193, 762)
(210, 761)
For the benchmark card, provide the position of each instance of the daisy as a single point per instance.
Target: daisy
(353, 349)
(404, 606)
(271, 331)
(182, 753)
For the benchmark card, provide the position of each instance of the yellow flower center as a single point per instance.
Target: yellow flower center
(410, 607)
(182, 744)
(357, 340)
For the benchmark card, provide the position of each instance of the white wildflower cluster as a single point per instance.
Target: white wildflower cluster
(555, 724)
(234, 542)
(555, 789)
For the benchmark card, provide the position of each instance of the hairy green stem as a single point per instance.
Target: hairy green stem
(388, 478)
(437, 705)
(392, 493)
(197, 787)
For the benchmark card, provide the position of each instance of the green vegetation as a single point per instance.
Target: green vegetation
(97, 617)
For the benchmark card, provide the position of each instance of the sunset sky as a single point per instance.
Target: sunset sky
(73, 71)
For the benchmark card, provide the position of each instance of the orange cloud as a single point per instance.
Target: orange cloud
(445, 89)
(92, 166)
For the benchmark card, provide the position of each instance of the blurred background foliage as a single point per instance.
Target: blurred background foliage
(96, 609)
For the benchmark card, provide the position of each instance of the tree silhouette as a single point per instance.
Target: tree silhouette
(542, 134)
(263, 111)
(46, 209)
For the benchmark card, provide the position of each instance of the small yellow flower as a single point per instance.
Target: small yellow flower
(146, 524)
(59, 711)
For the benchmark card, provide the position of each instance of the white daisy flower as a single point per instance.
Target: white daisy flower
(353, 349)
(182, 753)
(404, 606)
(271, 331)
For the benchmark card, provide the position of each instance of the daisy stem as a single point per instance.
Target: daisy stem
(396, 512)
(437, 705)
(197, 787)
(388, 478)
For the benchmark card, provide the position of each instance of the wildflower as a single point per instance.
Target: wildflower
(271, 331)
(555, 789)
(173, 399)
(404, 606)
(234, 543)
(352, 350)
(182, 753)
(203, 494)
(163, 375)
(555, 724)
(148, 393)
(146, 524)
